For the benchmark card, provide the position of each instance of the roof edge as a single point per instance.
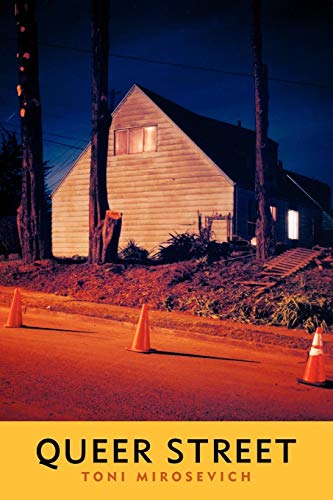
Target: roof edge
(69, 171)
(233, 183)
(244, 129)
(125, 97)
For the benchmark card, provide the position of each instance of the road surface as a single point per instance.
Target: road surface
(69, 367)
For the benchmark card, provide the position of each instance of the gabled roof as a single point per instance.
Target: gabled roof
(231, 147)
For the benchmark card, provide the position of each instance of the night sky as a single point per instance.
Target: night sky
(298, 42)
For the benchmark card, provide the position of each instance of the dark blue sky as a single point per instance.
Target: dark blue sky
(298, 42)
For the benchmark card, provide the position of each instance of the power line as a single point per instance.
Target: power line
(66, 137)
(56, 159)
(218, 70)
(63, 144)
(67, 157)
(188, 66)
(57, 172)
(54, 135)
(308, 195)
(53, 142)
(72, 155)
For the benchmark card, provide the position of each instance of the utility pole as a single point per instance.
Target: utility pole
(32, 215)
(104, 225)
(265, 225)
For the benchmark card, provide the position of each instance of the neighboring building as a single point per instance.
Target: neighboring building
(166, 165)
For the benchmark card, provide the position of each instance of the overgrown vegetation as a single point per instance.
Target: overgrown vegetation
(133, 252)
(291, 311)
(10, 191)
(10, 173)
(9, 240)
(188, 246)
(294, 311)
(217, 290)
(302, 311)
(180, 247)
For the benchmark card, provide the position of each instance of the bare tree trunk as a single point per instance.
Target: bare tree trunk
(265, 225)
(110, 236)
(32, 217)
(100, 225)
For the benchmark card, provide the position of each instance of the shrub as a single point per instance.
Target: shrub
(204, 306)
(169, 303)
(133, 251)
(292, 311)
(9, 240)
(187, 246)
(215, 251)
(178, 247)
(299, 310)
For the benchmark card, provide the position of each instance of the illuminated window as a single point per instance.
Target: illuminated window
(273, 212)
(135, 140)
(149, 138)
(121, 141)
(293, 225)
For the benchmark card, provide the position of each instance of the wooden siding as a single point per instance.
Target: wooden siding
(241, 217)
(309, 217)
(158, 192)
(162, 191)
(70, 211)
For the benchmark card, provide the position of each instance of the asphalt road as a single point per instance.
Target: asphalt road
(68, 367)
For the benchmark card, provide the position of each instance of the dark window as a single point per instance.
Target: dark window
(135, 140)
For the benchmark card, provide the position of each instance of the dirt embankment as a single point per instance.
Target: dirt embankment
(215, 291)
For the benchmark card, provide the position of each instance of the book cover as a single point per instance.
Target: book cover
(180, 346)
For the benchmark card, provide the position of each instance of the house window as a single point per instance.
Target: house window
(135, 140)
(149, 138)
(293, 225)
(121, 142)
(273, 212)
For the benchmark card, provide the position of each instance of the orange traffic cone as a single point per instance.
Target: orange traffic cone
(15, 314)
(141, 342)
(315, 370)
